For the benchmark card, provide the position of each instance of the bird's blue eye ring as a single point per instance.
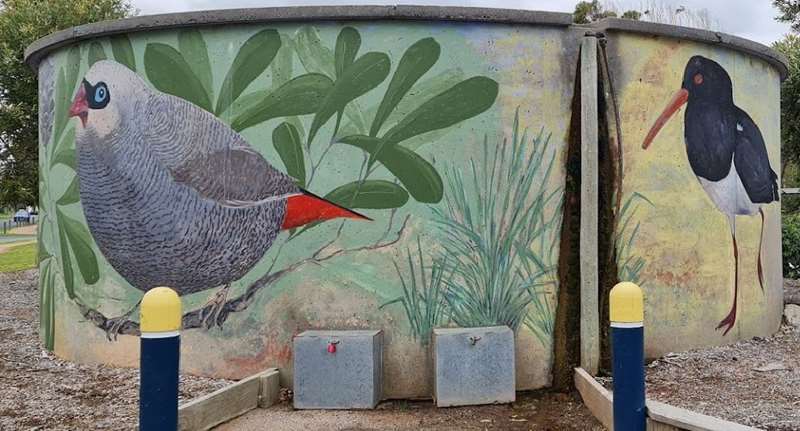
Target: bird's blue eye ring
(100, 94)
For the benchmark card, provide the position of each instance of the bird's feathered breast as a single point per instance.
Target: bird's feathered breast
(205, 154)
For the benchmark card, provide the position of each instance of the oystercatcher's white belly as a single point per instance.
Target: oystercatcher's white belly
(729, 195)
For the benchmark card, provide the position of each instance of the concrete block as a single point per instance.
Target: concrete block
(338, 369)
(473, 366)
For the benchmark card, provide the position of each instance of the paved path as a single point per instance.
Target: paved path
(7, 239)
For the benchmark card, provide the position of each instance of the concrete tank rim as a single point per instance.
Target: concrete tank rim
(39, 48)
(36, 51)
(747, 46)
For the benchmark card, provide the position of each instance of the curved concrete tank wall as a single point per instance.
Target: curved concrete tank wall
(243, 147)
(683, 230)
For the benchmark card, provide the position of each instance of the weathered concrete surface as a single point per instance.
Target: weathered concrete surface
(473, 366)
(590, 330)
(37, 50)
(338, 369)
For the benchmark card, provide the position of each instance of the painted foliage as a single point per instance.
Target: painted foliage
(261, 172)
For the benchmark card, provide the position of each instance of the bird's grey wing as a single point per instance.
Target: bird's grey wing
(235, 177)
(752, 161)
(202, 152)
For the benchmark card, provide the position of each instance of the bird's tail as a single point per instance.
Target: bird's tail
(306, 207)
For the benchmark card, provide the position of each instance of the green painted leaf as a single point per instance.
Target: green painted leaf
(300, 96)
(252, 59)
(71, 195)
(81, 242)
(47, 314)
(355, 114)
(66, 262)
(282, 65)
(73, 66)
(41, 249)
(462, 101)
(287, 143)
(363, 75)
(65, 151)
(123, 51)
(169, 72)
(96, 53)
(193, 49)
(371, 194)
(314, 56)
(62, 101)
(418, 176)
(416, 96)
(347, 45)
(416, 61)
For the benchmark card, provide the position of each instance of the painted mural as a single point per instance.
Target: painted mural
(726, 152)
(285, 178)
(709, 276)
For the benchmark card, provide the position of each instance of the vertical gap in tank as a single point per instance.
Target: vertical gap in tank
(607, 155)
(566, 333)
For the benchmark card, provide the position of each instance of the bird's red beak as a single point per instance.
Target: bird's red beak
(680, 97)
(79, 107)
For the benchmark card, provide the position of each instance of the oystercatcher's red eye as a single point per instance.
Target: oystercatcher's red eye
(698, 79)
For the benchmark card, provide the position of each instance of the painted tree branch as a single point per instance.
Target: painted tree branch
(194, 319)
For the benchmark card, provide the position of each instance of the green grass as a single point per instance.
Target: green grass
(498, 226)
(422, 299)
(18, 258)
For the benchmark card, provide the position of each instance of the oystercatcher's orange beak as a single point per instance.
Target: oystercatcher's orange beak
(680, 97)
(80, 107)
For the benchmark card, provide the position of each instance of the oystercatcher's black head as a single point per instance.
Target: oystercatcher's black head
(704, 81)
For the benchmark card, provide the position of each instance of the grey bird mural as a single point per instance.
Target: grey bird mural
(172, 195)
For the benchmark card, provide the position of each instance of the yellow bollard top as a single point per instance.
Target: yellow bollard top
(626, 303)
(160, 311)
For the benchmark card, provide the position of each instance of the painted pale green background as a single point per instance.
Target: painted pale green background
(534, 68)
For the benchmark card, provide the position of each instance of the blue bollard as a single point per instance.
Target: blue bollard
(627, 355)
(159, 360)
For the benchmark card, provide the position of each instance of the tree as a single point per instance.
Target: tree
(789, 46)
(21, 23)
(790, 12)
(649, 10)
(590, 11)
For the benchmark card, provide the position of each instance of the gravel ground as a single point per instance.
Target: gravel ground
(539, 410)
(39, 391)
(754, 382)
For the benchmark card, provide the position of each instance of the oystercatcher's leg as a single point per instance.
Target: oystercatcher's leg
(730, 319)
(760, 242)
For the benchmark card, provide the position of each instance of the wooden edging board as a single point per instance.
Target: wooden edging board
(660, 416)
(259, 390)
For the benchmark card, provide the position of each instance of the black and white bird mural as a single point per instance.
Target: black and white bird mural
(726, 152)
(171, 194)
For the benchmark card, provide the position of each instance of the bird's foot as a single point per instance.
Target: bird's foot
(213, 312)
(728, 322)
(115, 325)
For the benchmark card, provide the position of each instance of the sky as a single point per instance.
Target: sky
(751, 19)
